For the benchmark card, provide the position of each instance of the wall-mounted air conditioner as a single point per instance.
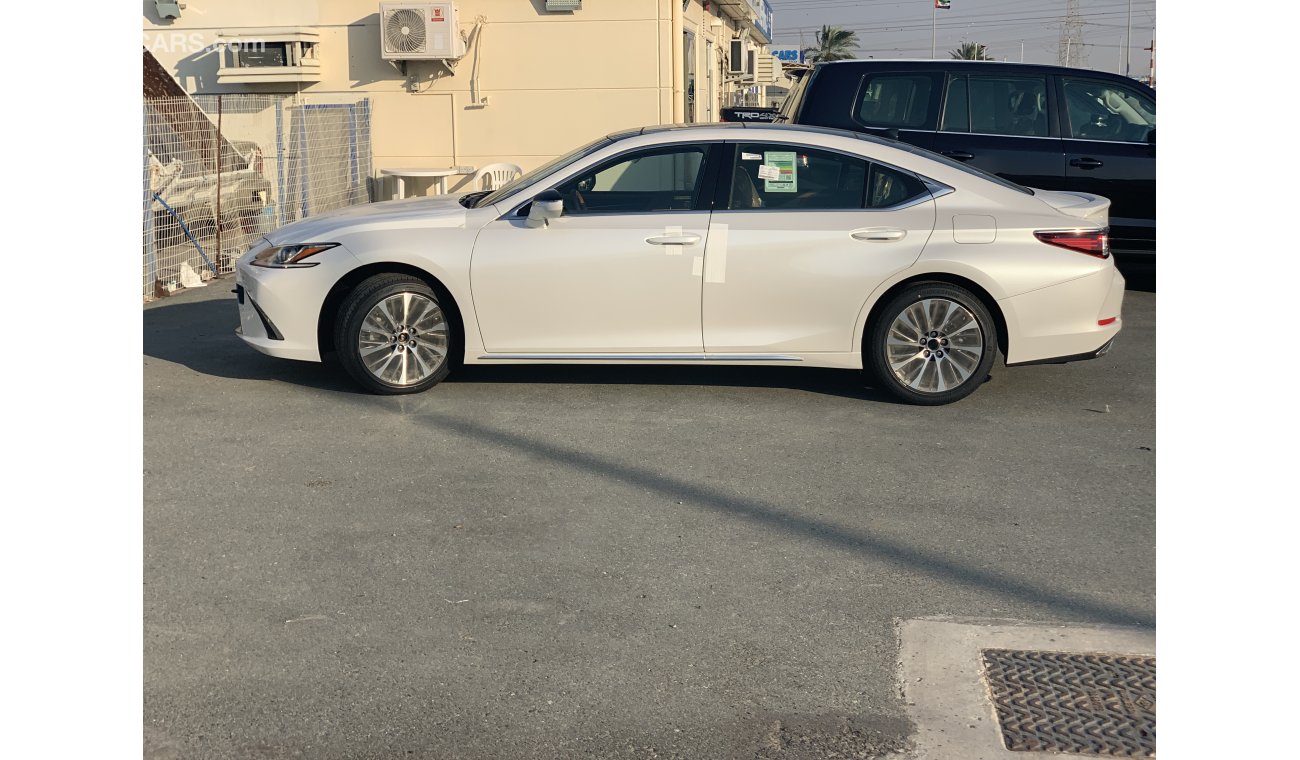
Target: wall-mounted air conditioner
(736, 58)
(420, 31)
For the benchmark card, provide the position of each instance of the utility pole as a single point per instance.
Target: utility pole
(1151, 78)
(1128, 36)
(1022, 51)
(934, 10)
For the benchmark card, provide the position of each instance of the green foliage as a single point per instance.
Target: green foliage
(833, 44)
(971, 51)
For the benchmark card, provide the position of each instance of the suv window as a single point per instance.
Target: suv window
(659, 179)
(1099, 110)
(895, 100)
(774, 175)
(997, 105)
(956, 106)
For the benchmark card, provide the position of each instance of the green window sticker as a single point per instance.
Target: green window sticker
(786, 180)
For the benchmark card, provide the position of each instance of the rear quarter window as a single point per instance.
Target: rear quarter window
(898, 100)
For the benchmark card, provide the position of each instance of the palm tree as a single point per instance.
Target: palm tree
(971, 51)
(833, 44)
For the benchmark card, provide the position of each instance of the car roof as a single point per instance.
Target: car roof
(944, 63)
(792, 129)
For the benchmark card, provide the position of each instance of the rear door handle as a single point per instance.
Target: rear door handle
(1086, 163)
(673, 240)
(879, 234)
(960, 155)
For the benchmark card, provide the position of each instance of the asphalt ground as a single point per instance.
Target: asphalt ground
(606, 562)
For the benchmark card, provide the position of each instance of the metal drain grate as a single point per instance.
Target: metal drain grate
(1092, 704)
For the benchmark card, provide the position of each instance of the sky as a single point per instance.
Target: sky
(901, 28)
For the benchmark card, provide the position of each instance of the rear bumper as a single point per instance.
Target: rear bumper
(1066, 322)
(1072, 358)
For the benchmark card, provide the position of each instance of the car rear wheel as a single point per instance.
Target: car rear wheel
(393, 336)
(931, 344)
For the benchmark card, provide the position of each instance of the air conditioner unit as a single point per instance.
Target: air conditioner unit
(419, 32)
(736, 57)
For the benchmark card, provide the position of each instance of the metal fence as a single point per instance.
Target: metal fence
(220, 170)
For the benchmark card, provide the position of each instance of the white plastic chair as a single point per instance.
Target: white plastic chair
(494, 176)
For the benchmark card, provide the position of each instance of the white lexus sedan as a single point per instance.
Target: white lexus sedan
(716, 244)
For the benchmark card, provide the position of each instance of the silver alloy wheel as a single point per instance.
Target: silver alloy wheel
(934, 345)
(403, 339)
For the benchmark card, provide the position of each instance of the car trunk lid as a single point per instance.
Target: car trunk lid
(1086, 206)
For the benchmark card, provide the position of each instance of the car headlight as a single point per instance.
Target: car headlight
(290, 256)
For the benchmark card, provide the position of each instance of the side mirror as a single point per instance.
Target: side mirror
(548, 205)
(1151, 136)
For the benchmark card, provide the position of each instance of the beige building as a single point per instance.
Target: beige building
(475, 82)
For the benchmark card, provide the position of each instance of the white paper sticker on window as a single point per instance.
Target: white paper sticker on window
(750, 157)
(781, 177)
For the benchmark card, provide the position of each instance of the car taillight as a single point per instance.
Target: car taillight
(1092, 242)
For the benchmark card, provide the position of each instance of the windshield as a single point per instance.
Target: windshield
(786, 112)
(545, 169)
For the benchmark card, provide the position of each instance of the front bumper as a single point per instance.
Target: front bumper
(279, 309)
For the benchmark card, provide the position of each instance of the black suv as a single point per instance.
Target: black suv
(1043, 126)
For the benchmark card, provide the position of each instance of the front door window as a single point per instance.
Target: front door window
(661, 179)
(1099, 110)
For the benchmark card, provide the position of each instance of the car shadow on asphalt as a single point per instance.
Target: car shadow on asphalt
(200, 335)
(831, 382)
(1067, 603)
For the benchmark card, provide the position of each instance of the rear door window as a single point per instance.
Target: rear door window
(1015, 106)
(898, 100)
(783, 176)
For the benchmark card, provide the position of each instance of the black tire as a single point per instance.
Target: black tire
(942, 363)
(351, 320)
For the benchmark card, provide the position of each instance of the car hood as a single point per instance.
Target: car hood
(437, 211)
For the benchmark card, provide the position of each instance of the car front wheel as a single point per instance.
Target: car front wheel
(931, 344)
(392, 335)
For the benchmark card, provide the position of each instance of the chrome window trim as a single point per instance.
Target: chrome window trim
(1107, 142)
(937, 189)
(999, 134)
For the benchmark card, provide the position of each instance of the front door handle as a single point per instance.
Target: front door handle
(1086, 163)
(879, 234)
(673, 239)
(960, 155)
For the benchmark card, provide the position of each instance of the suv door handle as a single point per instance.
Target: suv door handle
(879, 234)
(1086, 163)
(960, 155)
(688, 239)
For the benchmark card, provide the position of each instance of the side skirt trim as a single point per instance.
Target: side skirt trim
(645, 357)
